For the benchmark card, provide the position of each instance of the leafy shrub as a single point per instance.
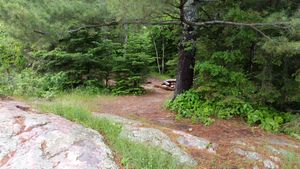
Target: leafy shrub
(268, 119)
(189, 105)
(293, 126)
(192, 105)
(11, 57)
(29, 83)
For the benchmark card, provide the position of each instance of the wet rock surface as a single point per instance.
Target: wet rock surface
(38, 141)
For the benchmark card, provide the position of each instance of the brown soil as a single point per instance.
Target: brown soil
(150, 108)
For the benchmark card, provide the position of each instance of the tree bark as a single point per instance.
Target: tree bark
(187, 47)
(126, 34)
(163, 56)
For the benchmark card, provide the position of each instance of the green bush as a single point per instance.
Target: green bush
(33, 84)
(192, 104)
(29, 83)
(293, 126)
(189, 105)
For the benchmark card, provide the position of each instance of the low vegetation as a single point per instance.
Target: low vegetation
(193, 105)
(291, 161)
(78, 107)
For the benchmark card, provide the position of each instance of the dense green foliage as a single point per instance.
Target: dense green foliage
(29, 83)
(44, 21)
(240, 74)
(194, 105)
(86, 59)
(131, 67)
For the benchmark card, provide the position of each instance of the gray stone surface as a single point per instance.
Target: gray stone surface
(277, 151)
(195, 142)
(243, 143)
(268, 164)
(39, 141)
(276, 159)
(239, 142)
(283, 143)
(248, 154)
(134, 131)
(255, 167)
(251, 155)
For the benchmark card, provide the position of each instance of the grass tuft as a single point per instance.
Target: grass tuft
(291, 161)
(293, 127)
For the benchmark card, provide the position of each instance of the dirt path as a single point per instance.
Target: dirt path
(230, 136)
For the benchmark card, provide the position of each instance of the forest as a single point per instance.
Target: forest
(231, 59)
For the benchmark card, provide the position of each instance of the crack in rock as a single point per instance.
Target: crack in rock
(6, 158)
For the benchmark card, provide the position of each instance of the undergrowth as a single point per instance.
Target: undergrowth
(192, 105)
(291, 161)
(160, 76)
(78, 108)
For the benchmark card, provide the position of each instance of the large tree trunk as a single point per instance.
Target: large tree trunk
(187, 47)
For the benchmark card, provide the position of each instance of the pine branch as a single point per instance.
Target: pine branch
(220, 22)
(206, 13)
(41, 32)
(253, 26)
(170, 15)
(133, 22)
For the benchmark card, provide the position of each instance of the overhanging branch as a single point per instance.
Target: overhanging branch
(134, 22)
(220, 22)
(41, 32)
(254, 26)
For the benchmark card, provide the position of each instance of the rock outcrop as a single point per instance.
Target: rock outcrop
(30, 140)
(136, 132)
